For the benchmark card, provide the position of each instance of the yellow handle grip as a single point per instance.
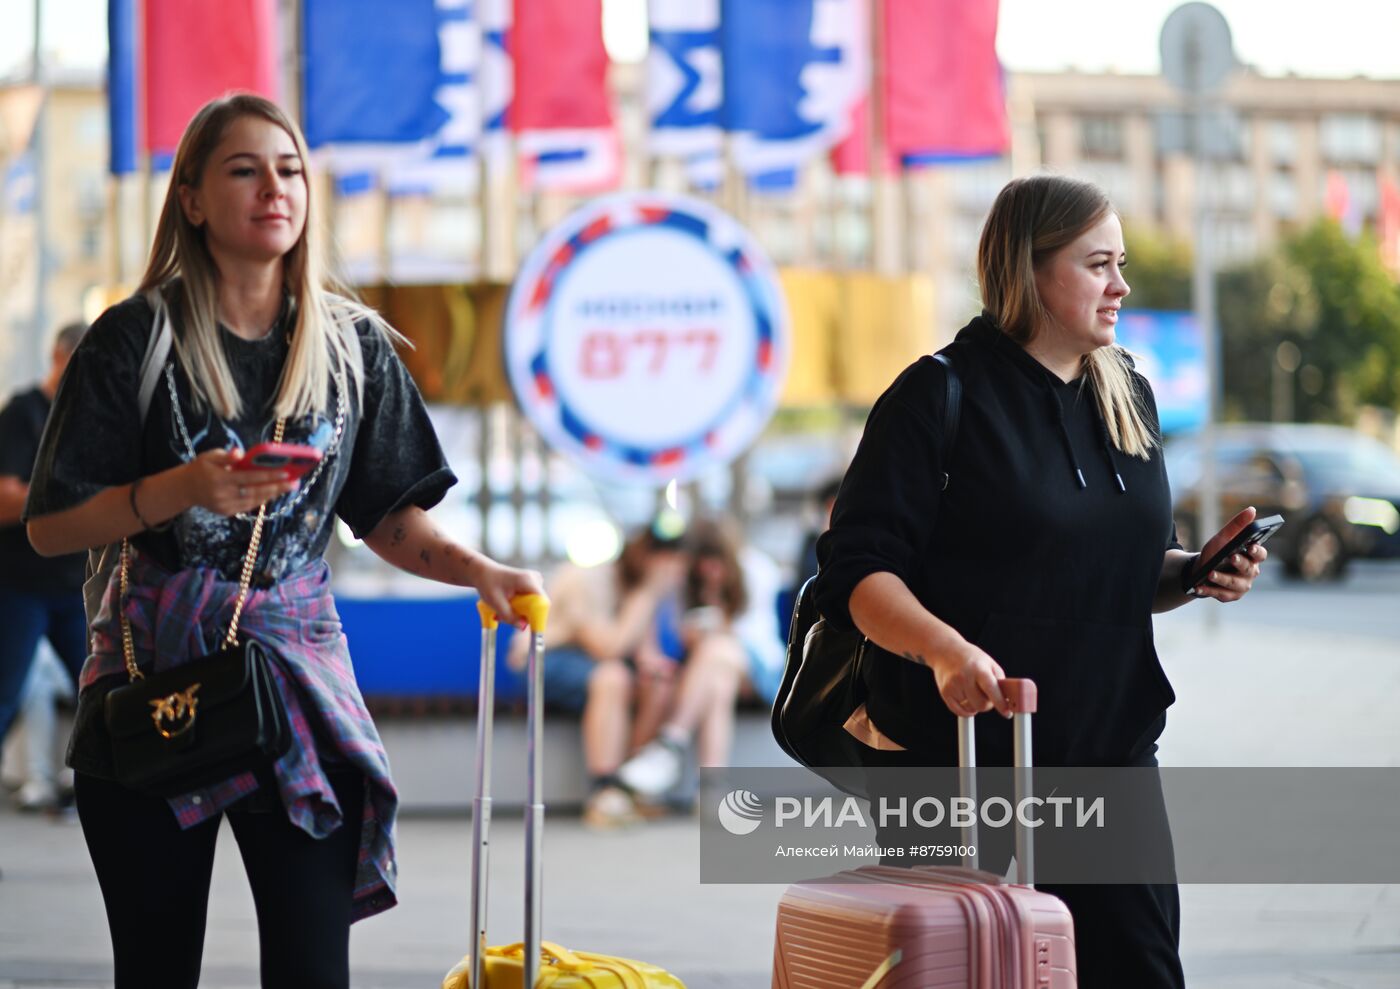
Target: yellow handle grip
(533, 607)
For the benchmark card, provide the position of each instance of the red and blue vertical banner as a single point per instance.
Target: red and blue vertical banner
(779, 76)
(392, 92)
(196, 50)
(414, 93)
(561, 108)
(942, 87)
(122, 121)
(945, 93)
(167, 58)
(1388, 221)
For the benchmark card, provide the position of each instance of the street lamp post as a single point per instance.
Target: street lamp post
(1197, 55)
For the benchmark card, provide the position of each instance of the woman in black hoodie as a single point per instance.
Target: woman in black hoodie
(1044, 556)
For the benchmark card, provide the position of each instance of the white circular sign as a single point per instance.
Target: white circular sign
(646, 336)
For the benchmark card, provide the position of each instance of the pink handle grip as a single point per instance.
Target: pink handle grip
(1020, 694)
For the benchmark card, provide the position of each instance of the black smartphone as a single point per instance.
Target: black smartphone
(1256, 533)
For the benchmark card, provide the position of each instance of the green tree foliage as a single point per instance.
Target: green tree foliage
(1354, 340)
(1159, 271)
(1326, 293)
(1260, 304)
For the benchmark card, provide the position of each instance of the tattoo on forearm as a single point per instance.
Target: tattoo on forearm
(426, 557)
(400, 533)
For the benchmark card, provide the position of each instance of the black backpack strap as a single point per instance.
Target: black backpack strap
(952, 410)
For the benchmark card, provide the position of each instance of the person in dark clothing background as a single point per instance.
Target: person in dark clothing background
(1046, 555)
(40, 598)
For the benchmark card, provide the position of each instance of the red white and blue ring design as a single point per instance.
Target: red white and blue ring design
(529, 332)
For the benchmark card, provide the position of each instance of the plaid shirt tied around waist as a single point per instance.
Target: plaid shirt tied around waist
(178, 616)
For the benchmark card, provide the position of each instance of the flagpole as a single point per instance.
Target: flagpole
(41, 141)
(881, 198)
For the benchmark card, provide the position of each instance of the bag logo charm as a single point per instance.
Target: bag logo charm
(177, 709)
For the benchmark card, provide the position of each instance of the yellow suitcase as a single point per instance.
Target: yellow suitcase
(535, 963)
(562, 969)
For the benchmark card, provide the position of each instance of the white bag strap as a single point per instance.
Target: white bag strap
(157, 352)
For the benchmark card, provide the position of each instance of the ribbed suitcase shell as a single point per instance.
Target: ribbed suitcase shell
(951, 927)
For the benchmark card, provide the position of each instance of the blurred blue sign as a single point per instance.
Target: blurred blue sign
(1170, 352)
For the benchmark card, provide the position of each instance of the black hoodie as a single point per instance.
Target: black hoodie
(1044, 550)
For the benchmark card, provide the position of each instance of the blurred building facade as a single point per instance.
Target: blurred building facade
(1285, 147)
(59, 224)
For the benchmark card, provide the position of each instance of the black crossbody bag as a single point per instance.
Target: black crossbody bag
(204, 721)
(823, 682)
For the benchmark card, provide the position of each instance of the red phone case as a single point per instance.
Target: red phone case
(293, 458)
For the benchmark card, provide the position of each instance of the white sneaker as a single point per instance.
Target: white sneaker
(37, 795)
(655, 769)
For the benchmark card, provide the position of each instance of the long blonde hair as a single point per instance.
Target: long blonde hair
(183, 271)
(1031, 219)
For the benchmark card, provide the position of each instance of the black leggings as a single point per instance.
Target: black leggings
(155, 881)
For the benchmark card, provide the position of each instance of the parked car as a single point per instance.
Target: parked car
(1338, 489)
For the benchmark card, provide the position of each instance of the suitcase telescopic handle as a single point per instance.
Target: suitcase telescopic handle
(534, 608)
(1021, 694)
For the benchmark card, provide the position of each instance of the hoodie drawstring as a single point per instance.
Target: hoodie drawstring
(1059, 411)
(1107, 444)
(1105, 441)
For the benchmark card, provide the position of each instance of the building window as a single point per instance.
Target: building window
(1101, 137)
(976, 184)
(1234, 239)
(1283, 142)
(1236, 189)
(1351, 137)
(1114, 178)
(1283, 196)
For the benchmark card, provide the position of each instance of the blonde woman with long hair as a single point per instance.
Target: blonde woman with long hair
(1040, 548)
(260, 347)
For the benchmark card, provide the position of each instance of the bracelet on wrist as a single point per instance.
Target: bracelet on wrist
(131, 497)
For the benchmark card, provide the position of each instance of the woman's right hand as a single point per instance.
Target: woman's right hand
(967, 680)
(211, 483)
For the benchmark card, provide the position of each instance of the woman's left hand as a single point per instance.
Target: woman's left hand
(1233, 580)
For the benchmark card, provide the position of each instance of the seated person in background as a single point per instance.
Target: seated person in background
(599, 618)
(733, 647)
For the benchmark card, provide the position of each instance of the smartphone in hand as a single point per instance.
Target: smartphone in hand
(1256, 533)
(294, 459)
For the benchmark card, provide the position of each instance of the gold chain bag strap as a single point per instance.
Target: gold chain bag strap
(205, 720)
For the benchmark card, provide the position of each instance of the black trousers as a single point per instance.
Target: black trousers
(155, 882)
(1125, 935)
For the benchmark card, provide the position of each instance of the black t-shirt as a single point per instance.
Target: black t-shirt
(379, 450)
(21, 427)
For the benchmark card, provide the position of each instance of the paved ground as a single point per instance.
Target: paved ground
(1249, 694)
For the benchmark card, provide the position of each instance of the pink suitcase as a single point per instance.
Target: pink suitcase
(929, 928)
